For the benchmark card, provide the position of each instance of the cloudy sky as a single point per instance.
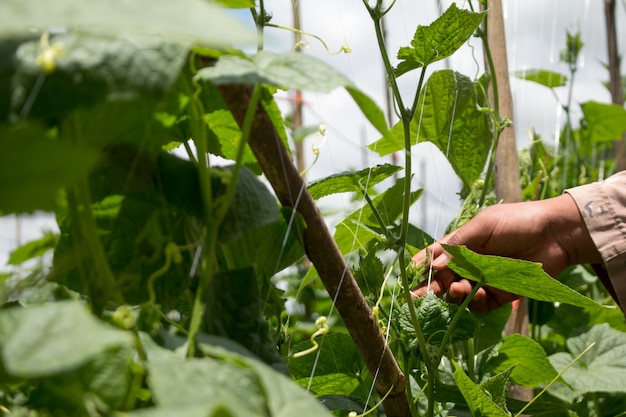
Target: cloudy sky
(535, 34)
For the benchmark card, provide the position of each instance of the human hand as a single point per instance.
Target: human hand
(551, 232)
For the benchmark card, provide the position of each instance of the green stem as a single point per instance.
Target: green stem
(404, 113)
(260, 25)
(419, 89)
(79, 199)
(377, 215)
(471, 365)
(497, 130)
(448, 335)
(214, 213)
(199, 135)
(245, 134)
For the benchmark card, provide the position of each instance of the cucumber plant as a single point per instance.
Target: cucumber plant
(162, 296)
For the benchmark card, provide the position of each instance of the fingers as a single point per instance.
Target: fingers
(434, 255)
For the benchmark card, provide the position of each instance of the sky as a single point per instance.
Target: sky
(535, 31)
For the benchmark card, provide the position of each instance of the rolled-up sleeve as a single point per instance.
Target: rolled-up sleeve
(603, 208)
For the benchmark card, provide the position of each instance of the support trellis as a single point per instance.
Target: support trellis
(322, 250)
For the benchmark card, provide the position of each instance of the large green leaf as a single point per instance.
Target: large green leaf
(253, 205)
(207, 409)
(186, 21)
(546, 78)
(351, 181)
(269, 248)
(448, 115)
(90, 69)
(519, 277)
(527, 358)
(40, 341)
(439, 40)
(479, 402)
(107, 379)
(234, 310)
(34, 167)
(370, 110)
(224, 133)
(601, 369)
(283, 398)
(289, 70)
(177, 382)
(604, 122)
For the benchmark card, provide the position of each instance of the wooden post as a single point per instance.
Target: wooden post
(322, 250)
(615, 82)
(506, 167)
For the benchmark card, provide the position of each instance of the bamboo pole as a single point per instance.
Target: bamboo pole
(322, 250)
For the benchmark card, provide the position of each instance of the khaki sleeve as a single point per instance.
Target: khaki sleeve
(603, 208)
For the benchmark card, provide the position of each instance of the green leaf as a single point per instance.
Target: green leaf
(289, 70)
(237, 4)
(283, 398)
(361, 226)
(224, 132)
(179, 382)
(349, 181)
(451, 120)
(478, 401)
(496, 386)
(601, 369)
(234, 309)
(604, 122)
(523, 278)
(439, 40)
(388, 204)
(90, 69)
(342, 402)
(435, 316)
(105, 380)
(350, 235)
(275, 115)
(546, 78)
(370, 110)
(33, 249)
(530, 364)
(491, 327)
(33, 168)
(35, 339)
(448, 115)
(187, 22)
(370, 274)
(269, 248)
(336, 368)
(452, 393)
(253, 205)
(208, 409)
